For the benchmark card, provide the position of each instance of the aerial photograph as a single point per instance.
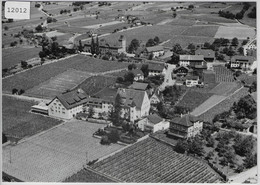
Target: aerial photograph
(130, 92)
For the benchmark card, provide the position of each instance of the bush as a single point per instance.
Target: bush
(14, 91)
(104, 140)
(37, 5)
(113, 136)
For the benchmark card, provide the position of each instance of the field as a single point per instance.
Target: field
(9, 59)
(19, 122)
(204, 31)
(193, 99)
(230, 32)
(209, 103)
(95, 84)
(225, 105)
(225, 88)
(208, 18)
(58, 84)
(152, 161)
(37, 75)
(223, 74)
(57, 154)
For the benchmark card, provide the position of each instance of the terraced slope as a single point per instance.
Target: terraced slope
(152, 161)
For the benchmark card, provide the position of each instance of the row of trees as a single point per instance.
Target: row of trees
(238, 15)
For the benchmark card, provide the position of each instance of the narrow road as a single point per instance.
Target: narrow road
(241, 177)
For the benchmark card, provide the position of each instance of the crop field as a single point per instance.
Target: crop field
(230, 32)
(224, 105)
(30, 78)
(19, 122)
(146, 32)
(152, 161)
(56, 154)
(209, 103)
(10, 59)
(205, 31)
(225, 88)
(211, 18)
(184, 41)
(95, 84)
(182, 22)
(59, 84)
(235, 8)
(223, 74)
(193, 99)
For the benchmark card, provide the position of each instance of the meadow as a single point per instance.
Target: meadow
(19, 122)
(240, 32)
(9, 59)
(30, 78)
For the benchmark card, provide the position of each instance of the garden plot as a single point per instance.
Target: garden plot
(239, 32)
(59, 84)
(56, 154)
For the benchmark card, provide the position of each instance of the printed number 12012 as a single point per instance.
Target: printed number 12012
(17, 10)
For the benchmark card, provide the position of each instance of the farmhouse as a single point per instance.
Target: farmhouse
(185, 126)
(105, 47)
(192, 81)
(153, 123)
(209, 56)
(136, 103)
(246, 63)
(182, 71)
(191, 60)
(68, 104)
(155, 69)
(156, 51)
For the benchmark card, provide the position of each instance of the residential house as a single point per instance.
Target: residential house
(191, 60)
(192, 81)
(136, 103)
(67, 105)
(185, 127)
(182, 71)
(153, 123)
(244, 63)
(209, 56)
(155, 69)
(138, 74)
(156, 51)
(156, 97)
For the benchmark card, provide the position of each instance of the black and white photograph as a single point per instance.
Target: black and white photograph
(129, 92)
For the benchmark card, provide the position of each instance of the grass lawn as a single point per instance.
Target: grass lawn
(18, 121)
(14, 56)
(230, 32)
(35, 76)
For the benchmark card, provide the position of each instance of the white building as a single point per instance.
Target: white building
(245, 63)
(139, 75)
(191, 60)
(192, 81)
(136, 103)
(67, 105)
(153, 123)
(157, 51)
(155, 69)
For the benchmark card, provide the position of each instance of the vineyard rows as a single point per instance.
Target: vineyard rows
(223, 74)
(224, 105)
(152, 161)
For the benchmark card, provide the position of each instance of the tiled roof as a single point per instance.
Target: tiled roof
(107, 94)
(207, 53)
(155, 67)
(191, 57)
(154, 48)
(139, 86)
(132, 95)
(137, 72)
(192, 77)
(154, 118)
(72, 99)
(250, 59)
(186, 120)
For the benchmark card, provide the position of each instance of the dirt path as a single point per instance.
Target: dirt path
(241, 177)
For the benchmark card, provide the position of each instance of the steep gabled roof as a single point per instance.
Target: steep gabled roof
(249, 59)
(186, 120)
(191, 57)
(154, 48)
(207, 53)
(71, 99)
(132, 95)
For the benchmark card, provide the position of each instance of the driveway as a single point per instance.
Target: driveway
(55, 154)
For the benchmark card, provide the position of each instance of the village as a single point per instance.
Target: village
(121, 100)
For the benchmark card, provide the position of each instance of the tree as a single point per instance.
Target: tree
(115, 114)
(150, 43)
(150, 57)
(21, 91)
(80, 46)
(14, 91)
(244, 42)
(247, 106)
(92, 46)
(104, 140)
(243, 146)
(210, 155)
(210, 142)
(241, 50)
(97, 50)
(253, 87)
(131, 66)
(181, 146)
(195, 146)
(191, 47)
(113, 136)
(129, 77)
(39, 28)
(91, 112)
(145, 70)
(230, 52)
(234, 41)
(156, 40)
(177, 49)
(24, 64)
(250, 160)
(133, 46)
(161, 110)
(206, 45)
